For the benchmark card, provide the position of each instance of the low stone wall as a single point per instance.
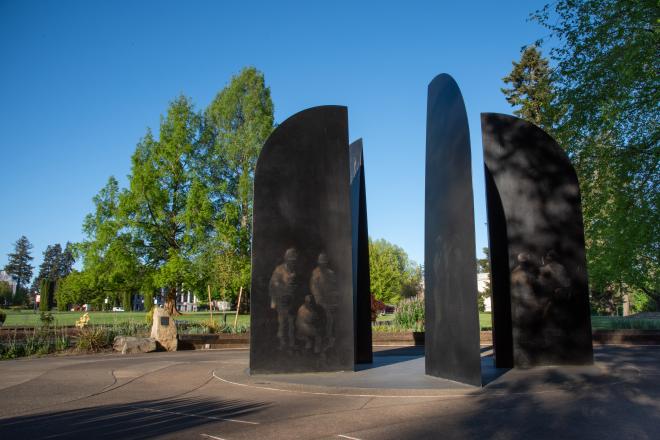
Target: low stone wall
(633, 337)
(211, 341)
(200, 342)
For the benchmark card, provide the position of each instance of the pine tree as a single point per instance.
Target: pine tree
(66, 261)
(49, 269)
(18, 265)
(531, 89)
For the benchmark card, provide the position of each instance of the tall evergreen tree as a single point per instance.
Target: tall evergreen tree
(18, 265)
(530, 89)
(66, 261)
(50, 266)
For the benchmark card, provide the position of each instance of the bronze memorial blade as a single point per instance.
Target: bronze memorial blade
(302, 272)
(450, 276)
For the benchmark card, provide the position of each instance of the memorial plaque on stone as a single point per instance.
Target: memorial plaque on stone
(361, 280)
(302, 274)
(163, 330)
(452, 316)
(539, 275)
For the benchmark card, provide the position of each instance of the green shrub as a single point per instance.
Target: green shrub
(94, 338)
(149, 317)
(46, 318)
(39, 341)
(3, 317)
(409, 314)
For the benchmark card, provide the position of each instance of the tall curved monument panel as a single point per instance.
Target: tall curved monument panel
(361, 279)
(302, 274)
(537, 246)
(452, 320)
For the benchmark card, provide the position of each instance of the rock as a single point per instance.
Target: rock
(163, 330)
(130, 344)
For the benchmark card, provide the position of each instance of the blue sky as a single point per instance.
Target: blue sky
(81, 82)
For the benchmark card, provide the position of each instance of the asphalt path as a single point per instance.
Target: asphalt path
(208, 395)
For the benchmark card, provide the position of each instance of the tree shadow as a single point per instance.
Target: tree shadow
(139, 420)
(617, 398)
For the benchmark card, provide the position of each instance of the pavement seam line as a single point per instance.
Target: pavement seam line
(212, 436)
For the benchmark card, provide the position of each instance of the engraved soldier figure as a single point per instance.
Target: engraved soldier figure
(555, 284)
(282, 288)
(310, 324)
(323, 285)
(553, 277)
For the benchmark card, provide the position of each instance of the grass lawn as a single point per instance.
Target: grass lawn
(26, 318)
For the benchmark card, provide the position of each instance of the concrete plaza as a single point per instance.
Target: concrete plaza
(208, 395)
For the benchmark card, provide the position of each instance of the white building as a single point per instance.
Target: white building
(483, 281)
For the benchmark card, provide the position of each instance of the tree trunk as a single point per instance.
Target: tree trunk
(170, 302)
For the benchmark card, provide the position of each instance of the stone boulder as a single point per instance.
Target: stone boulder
(163, 330)
(130, 344)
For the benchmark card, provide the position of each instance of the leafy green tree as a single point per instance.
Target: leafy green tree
(185, 222)
(605, 85)
(167, 204)
(236, 125)
(18, 265)
(76, 288)
(483, 264)
(110, 254)
(393, 275)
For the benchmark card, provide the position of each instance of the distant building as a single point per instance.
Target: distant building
(483, 281)
(4, 276)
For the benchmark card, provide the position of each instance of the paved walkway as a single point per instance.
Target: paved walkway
(207, 395)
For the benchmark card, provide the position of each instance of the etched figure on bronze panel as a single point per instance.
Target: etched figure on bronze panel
(282, 289)
(538, 290)
(553, 277)
(323, 285)
(310, 323)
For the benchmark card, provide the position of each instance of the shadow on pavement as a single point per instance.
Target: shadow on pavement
(619, 398)
(139, 420)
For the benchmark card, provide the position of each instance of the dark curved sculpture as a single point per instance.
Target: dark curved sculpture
(361, 279)
(452, 319)
(539, 275)
(302, 274)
